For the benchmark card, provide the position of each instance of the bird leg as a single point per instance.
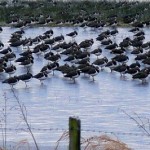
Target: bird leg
(73, 80)
(93, 78)
(26, 84)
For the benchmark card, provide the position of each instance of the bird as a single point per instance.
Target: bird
(146, 61)
(11, 81)
(97, 52)
(111, 64)
(93, 71)
(134, 30)
(10, 56)
(44, 48)
(72, 74)
(10, 70)
(26, 53)
(121, 58)
(120, 68)
(27, 63)
(24, 58)
(137, 51)
(53, 58)
(112, 46)
(106, 42)
(50, 42)
(134, 64)
(6, 51)
(25, 77)
(72, 34)
(41, 76)
(82, 55)
(118, 51)
(114, 32)
(59, 38)
(101, 62)
(132, 71)
(50, 67)
(49, 32)
(142, 75)
(86, 44)
(83, 61)
(71, 58)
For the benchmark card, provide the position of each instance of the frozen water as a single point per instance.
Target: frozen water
(98, 104)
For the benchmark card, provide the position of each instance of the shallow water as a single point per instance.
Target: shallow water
(98, 104)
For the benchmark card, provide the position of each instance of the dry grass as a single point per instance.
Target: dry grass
(64, 136)
(102, 142)
(23, 144)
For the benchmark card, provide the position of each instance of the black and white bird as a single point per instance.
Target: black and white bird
(50, 67)
(101, 62)
(11, 81)
(72, 74)
(10, 56)
(6, 51)
(72, 34)
(111, 64)
(121, 69)
(49, 32)
(41, 76)
(93, 71)
(97, 52)
(10, 70)
(25, 77)
(121, 58)
(142, 75)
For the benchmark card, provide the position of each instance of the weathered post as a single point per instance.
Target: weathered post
(74, 133)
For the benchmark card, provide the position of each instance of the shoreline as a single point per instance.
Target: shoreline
(68, 13)
(3, 24)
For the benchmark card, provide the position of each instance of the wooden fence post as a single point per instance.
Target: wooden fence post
(74, 133)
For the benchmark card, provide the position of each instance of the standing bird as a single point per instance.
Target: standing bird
(120, 68)
(72, 74)
(72, 34)
(10, 70)
(25, 77)
(10, 56)
(93, 71)
(111, 64)
(121, 58)
(101, 62)
(132, 71)
(41, 76)
(11, 81)
(142, 75)
(6, 51)
(97, 52)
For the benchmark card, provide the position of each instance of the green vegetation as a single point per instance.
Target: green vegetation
(74, 10)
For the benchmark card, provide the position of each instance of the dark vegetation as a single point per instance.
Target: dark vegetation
(68, 13)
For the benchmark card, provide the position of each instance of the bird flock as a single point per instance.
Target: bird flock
(73, 59)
